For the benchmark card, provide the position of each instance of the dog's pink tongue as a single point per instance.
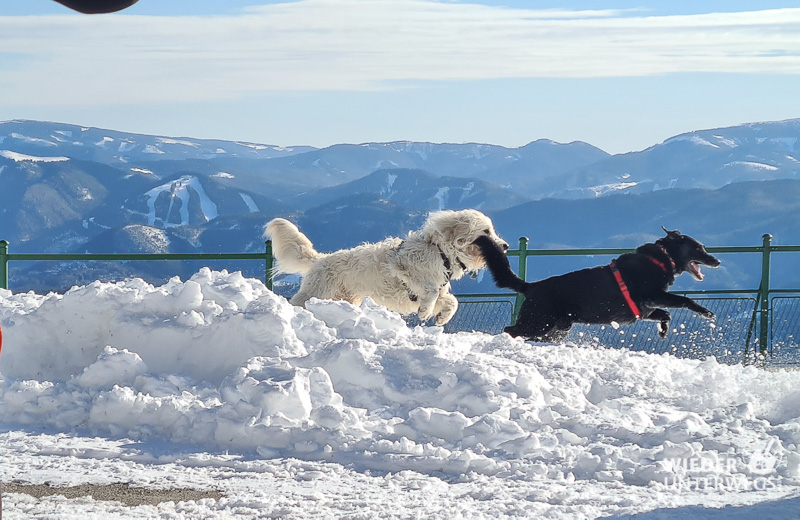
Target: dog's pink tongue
(694, 267)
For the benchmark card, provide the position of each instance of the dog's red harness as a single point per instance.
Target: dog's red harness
(624, 288)
(625, 292)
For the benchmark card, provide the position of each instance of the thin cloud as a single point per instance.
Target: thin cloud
(319, 45)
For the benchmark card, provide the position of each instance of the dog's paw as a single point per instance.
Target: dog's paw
(443, 318)
(708, 314)
(425, 313)
(446, 314)
(663, 328)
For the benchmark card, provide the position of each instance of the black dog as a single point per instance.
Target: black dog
(633, 286)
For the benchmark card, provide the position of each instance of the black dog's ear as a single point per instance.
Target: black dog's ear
(672, 234)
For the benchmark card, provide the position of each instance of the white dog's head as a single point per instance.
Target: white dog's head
(455, 232)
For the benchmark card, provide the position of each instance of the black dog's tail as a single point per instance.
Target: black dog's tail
(497, 262)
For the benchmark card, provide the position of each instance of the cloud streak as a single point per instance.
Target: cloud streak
(326, 45)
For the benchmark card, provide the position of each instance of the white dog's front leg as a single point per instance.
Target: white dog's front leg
(427, 303)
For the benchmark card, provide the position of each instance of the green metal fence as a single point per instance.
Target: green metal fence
(752, 325)
(6, 257)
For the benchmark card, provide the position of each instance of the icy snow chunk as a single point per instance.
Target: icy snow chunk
(435, 422)
(281, 393)
(111, 368)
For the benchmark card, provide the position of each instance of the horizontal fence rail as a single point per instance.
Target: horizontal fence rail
(6, 257)
(753, 325)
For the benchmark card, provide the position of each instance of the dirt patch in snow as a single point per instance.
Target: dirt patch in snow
(128, 495)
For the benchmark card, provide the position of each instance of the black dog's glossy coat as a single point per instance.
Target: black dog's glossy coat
(593, 295)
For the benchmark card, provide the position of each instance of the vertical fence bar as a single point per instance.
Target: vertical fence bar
(763, 296)
(3, 264)
(269, 263)
(523, 272)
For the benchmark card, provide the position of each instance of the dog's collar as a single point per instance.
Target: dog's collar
(448, 271)
(445, 259)
(662, 265)
(626, 294)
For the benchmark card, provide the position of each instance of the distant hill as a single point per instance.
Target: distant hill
(734, 215)
(701, 159)
(418, 190)
(67, 188)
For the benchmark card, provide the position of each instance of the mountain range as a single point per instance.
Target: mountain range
(67, 188)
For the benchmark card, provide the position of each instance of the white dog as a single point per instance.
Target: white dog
(407, 276)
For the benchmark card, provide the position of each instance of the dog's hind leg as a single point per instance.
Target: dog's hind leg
(511, 330)
(538, 321)
(543, 333)
(300, 298)
(306, 293)
(539, 329)
(558, 333)
(445, 308)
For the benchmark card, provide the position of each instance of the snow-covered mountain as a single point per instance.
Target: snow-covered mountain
(512, 168)
(41, 138)
(294, 166)
(701, 159)
(734, 215)
(66, 185)
(67, 188)
(418, 190)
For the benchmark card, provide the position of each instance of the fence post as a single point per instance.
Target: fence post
(268, 266)
(523, 271)
(763, 296)
(3, 264)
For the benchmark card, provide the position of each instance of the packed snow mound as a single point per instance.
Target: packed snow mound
(220, 361)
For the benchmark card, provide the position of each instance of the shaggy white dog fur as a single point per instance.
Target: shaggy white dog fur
(407, 276)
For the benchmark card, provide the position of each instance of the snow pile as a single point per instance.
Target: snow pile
(222, 363)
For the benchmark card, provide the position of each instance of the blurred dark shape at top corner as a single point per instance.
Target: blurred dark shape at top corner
(97, 6)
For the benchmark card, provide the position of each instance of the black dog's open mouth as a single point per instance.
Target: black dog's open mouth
(694, 269)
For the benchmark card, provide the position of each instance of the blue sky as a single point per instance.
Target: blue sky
(620, 75)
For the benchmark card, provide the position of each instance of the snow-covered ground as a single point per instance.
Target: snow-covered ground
(345, 412)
